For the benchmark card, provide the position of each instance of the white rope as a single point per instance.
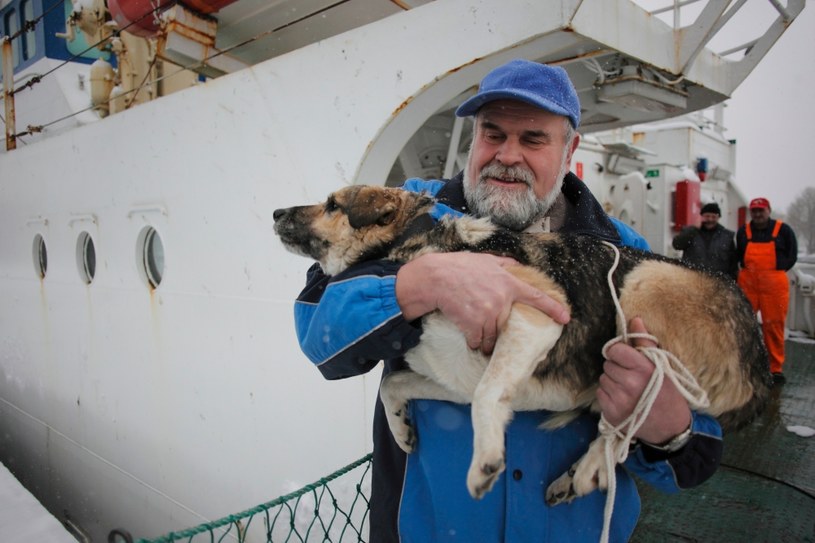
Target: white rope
(618, 438)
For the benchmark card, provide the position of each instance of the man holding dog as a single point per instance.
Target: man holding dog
(526, 119)
(767, 249)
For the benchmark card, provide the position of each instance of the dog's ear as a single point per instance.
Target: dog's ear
(372, 206)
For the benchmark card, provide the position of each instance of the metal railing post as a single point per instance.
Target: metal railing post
(8, 93)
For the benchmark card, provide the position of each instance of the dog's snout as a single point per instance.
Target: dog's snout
(278, 213)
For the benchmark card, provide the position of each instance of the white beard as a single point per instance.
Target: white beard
(511, 209)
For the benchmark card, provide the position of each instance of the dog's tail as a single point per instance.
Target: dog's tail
(559, 419)
(755, 367)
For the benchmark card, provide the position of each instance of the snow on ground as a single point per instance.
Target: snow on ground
(22, 518)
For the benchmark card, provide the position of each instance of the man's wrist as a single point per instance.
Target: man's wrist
(414, 287)
(674, 444)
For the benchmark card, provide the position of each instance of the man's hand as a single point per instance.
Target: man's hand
(625, 376)
(474, 290)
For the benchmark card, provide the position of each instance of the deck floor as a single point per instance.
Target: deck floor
(765, 487)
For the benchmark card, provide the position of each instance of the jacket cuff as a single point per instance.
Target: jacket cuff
(698, 460)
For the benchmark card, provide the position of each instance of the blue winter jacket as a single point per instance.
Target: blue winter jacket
(349, 322)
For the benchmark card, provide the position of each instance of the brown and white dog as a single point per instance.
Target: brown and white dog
(538, 364)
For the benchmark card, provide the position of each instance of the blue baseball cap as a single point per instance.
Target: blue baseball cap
(546, 87)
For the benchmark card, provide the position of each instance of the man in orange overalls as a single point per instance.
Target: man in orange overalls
(767, 248)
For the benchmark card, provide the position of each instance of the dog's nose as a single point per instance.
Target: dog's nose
(278, 213)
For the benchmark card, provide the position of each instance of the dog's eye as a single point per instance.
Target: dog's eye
(331, 205)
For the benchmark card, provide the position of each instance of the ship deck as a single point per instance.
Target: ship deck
(764, 490)
(765, 487)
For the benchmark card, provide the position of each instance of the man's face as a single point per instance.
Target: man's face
(710, 220)
(760, 216)
(517, 162)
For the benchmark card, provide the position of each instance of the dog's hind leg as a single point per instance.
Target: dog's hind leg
(583, 477)
(522, 345)
(397, 389)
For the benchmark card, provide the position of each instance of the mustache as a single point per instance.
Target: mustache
(517, 174)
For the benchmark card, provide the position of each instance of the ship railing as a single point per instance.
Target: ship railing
(801, 312)
(332, 509)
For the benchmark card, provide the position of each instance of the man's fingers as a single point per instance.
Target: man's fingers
(492, 328)
(529, 295)
(473, 340)
(636, 326)
(545, 303)
(506, 261)
(488, 344)
(480, 305)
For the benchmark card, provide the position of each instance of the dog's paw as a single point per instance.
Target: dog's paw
(561, 490)
(482, 475)
(406, 439)
(584, 477)
(396, 412)
(402, 431)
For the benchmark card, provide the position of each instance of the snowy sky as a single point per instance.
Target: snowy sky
(771, 114)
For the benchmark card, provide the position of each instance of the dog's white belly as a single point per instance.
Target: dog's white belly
(444, 368)
(443, 356)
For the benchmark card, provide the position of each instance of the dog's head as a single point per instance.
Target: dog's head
(354, 224)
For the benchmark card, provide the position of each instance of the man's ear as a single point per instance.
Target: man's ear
(573, 147)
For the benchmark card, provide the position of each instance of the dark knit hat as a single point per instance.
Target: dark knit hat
(712, 207)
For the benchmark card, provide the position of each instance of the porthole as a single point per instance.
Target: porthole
(86, 257)
(40, 256)
(150, 253)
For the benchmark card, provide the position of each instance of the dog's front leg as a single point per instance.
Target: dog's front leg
(397, 389)
(522, 345)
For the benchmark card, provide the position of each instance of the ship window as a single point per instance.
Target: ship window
(30, 38)
(151, 256)
(11, 27)
(40, 256)
(86, 257)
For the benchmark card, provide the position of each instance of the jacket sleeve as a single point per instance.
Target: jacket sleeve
(731, 255)
(630, 237)
(734, 259)
(733, 266)
(683, 239)
(741, 245)
(347, 323)
(787, 249)
(688, 467)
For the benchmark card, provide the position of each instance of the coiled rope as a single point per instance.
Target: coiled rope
(618, 438)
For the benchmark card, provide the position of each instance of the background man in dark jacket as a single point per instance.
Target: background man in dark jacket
(711, 246)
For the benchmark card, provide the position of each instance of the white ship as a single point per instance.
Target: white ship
(151, 378)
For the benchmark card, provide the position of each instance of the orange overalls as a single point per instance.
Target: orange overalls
(768, 290)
